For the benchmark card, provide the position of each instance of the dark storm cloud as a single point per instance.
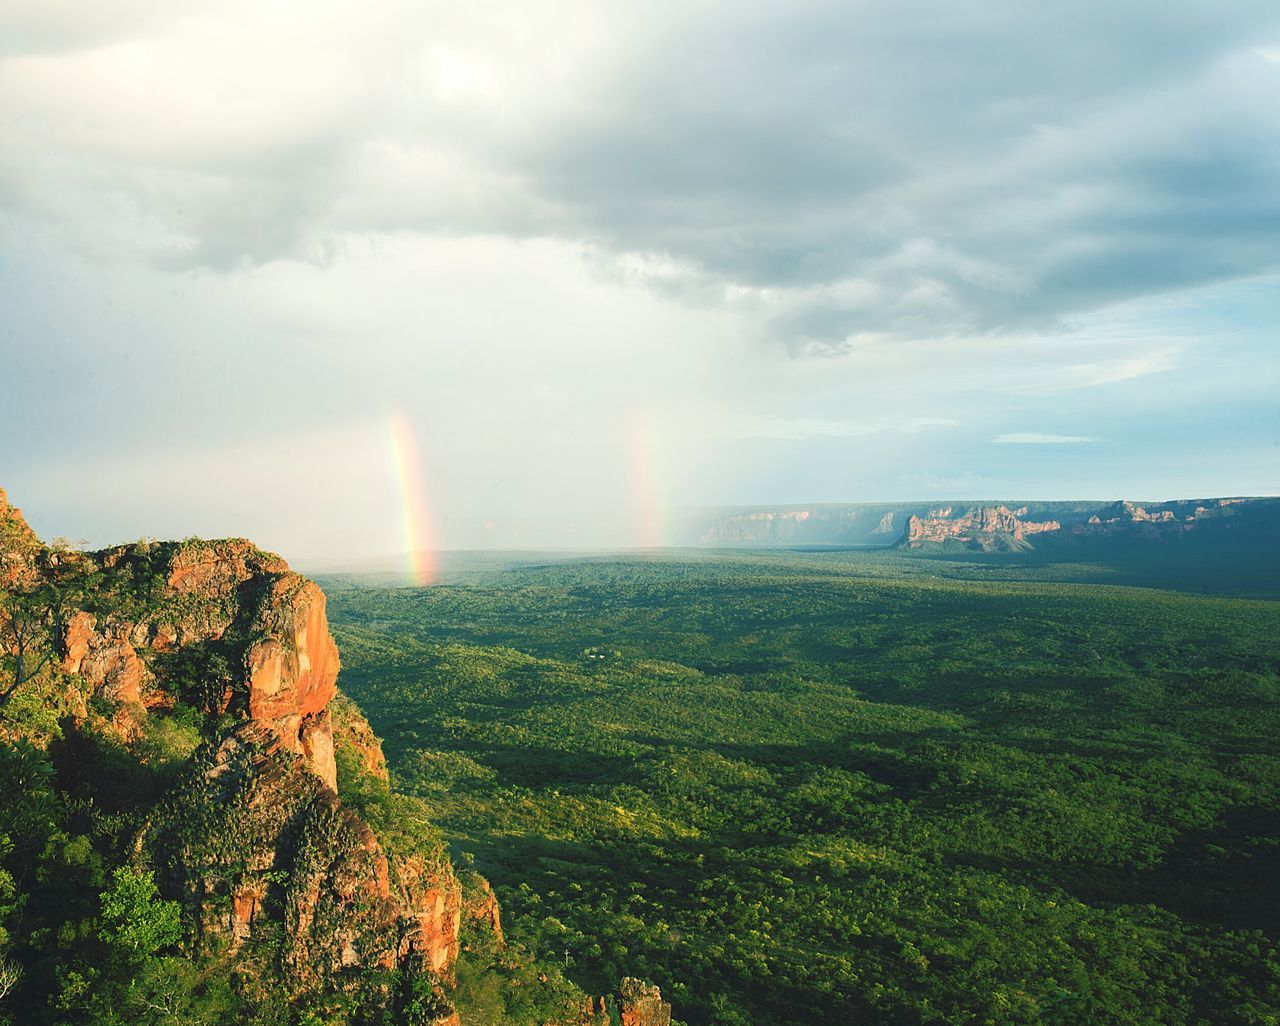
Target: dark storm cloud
(984, 165)
(912, 169)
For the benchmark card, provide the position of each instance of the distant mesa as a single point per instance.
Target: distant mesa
(992, 528)
(999, 528)
(987, 526)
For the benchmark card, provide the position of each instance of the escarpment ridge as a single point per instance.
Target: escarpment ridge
(989, 526)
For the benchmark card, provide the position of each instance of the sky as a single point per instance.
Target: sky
(350, 278)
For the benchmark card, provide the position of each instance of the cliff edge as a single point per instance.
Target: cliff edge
(252, 838)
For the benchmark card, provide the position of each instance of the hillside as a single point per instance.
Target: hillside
(197, 827)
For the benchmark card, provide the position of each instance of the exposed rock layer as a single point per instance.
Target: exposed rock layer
(880, 524)
(982, 525)
(255, 839)
(642, 1004)
(237, 618)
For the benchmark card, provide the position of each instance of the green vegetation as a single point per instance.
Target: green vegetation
(832, 787)
(804, 787)
(82, 924)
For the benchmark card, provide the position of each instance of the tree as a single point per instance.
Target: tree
(10, 974)
(135, 920)
(28, 803)
(27, 621)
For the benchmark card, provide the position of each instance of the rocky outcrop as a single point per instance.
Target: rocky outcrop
(1129, 519)
(253, 633)
(642, 1004)
(257, 846)
(431, 899)
(251, 836)
(315, 745)
(262, 802)
(639, 1004)
(480, 905)
(874, 524)
(352, 733)
(1000, 528)
(292, 665)
(18, 545)
(987, 527)
(268, 862)
(107, 661)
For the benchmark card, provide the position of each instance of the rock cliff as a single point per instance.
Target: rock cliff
(986, 527)
(184, 699)
(221, 624)
(993, 526)
(642, 1004)
(253, 840)
(1000, 528)
(639, 1004)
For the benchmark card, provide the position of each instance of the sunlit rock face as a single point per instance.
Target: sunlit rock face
(225, 610)
(982, 525)
(642, 1004)
(255, 842)
(253, 839)
(18, 545)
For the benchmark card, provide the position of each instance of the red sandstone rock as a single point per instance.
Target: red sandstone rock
(482, 907)
(111, 665)
(76, 636)
(316, 738)
(432, 898)
(294, 668)
(217, 567)
(642, 1004)
(342, 905)
(290, 669)
(245, 901)
(977, 524)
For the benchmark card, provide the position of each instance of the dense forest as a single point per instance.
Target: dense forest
(822, 787)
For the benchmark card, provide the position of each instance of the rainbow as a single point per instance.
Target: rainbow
(648, 497)
(419, 541)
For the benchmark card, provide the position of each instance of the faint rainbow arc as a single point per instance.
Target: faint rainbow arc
(419, 539)
(648, 494)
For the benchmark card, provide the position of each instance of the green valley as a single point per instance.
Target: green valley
(829, 787)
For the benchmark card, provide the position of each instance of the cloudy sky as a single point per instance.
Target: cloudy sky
(596, 258)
